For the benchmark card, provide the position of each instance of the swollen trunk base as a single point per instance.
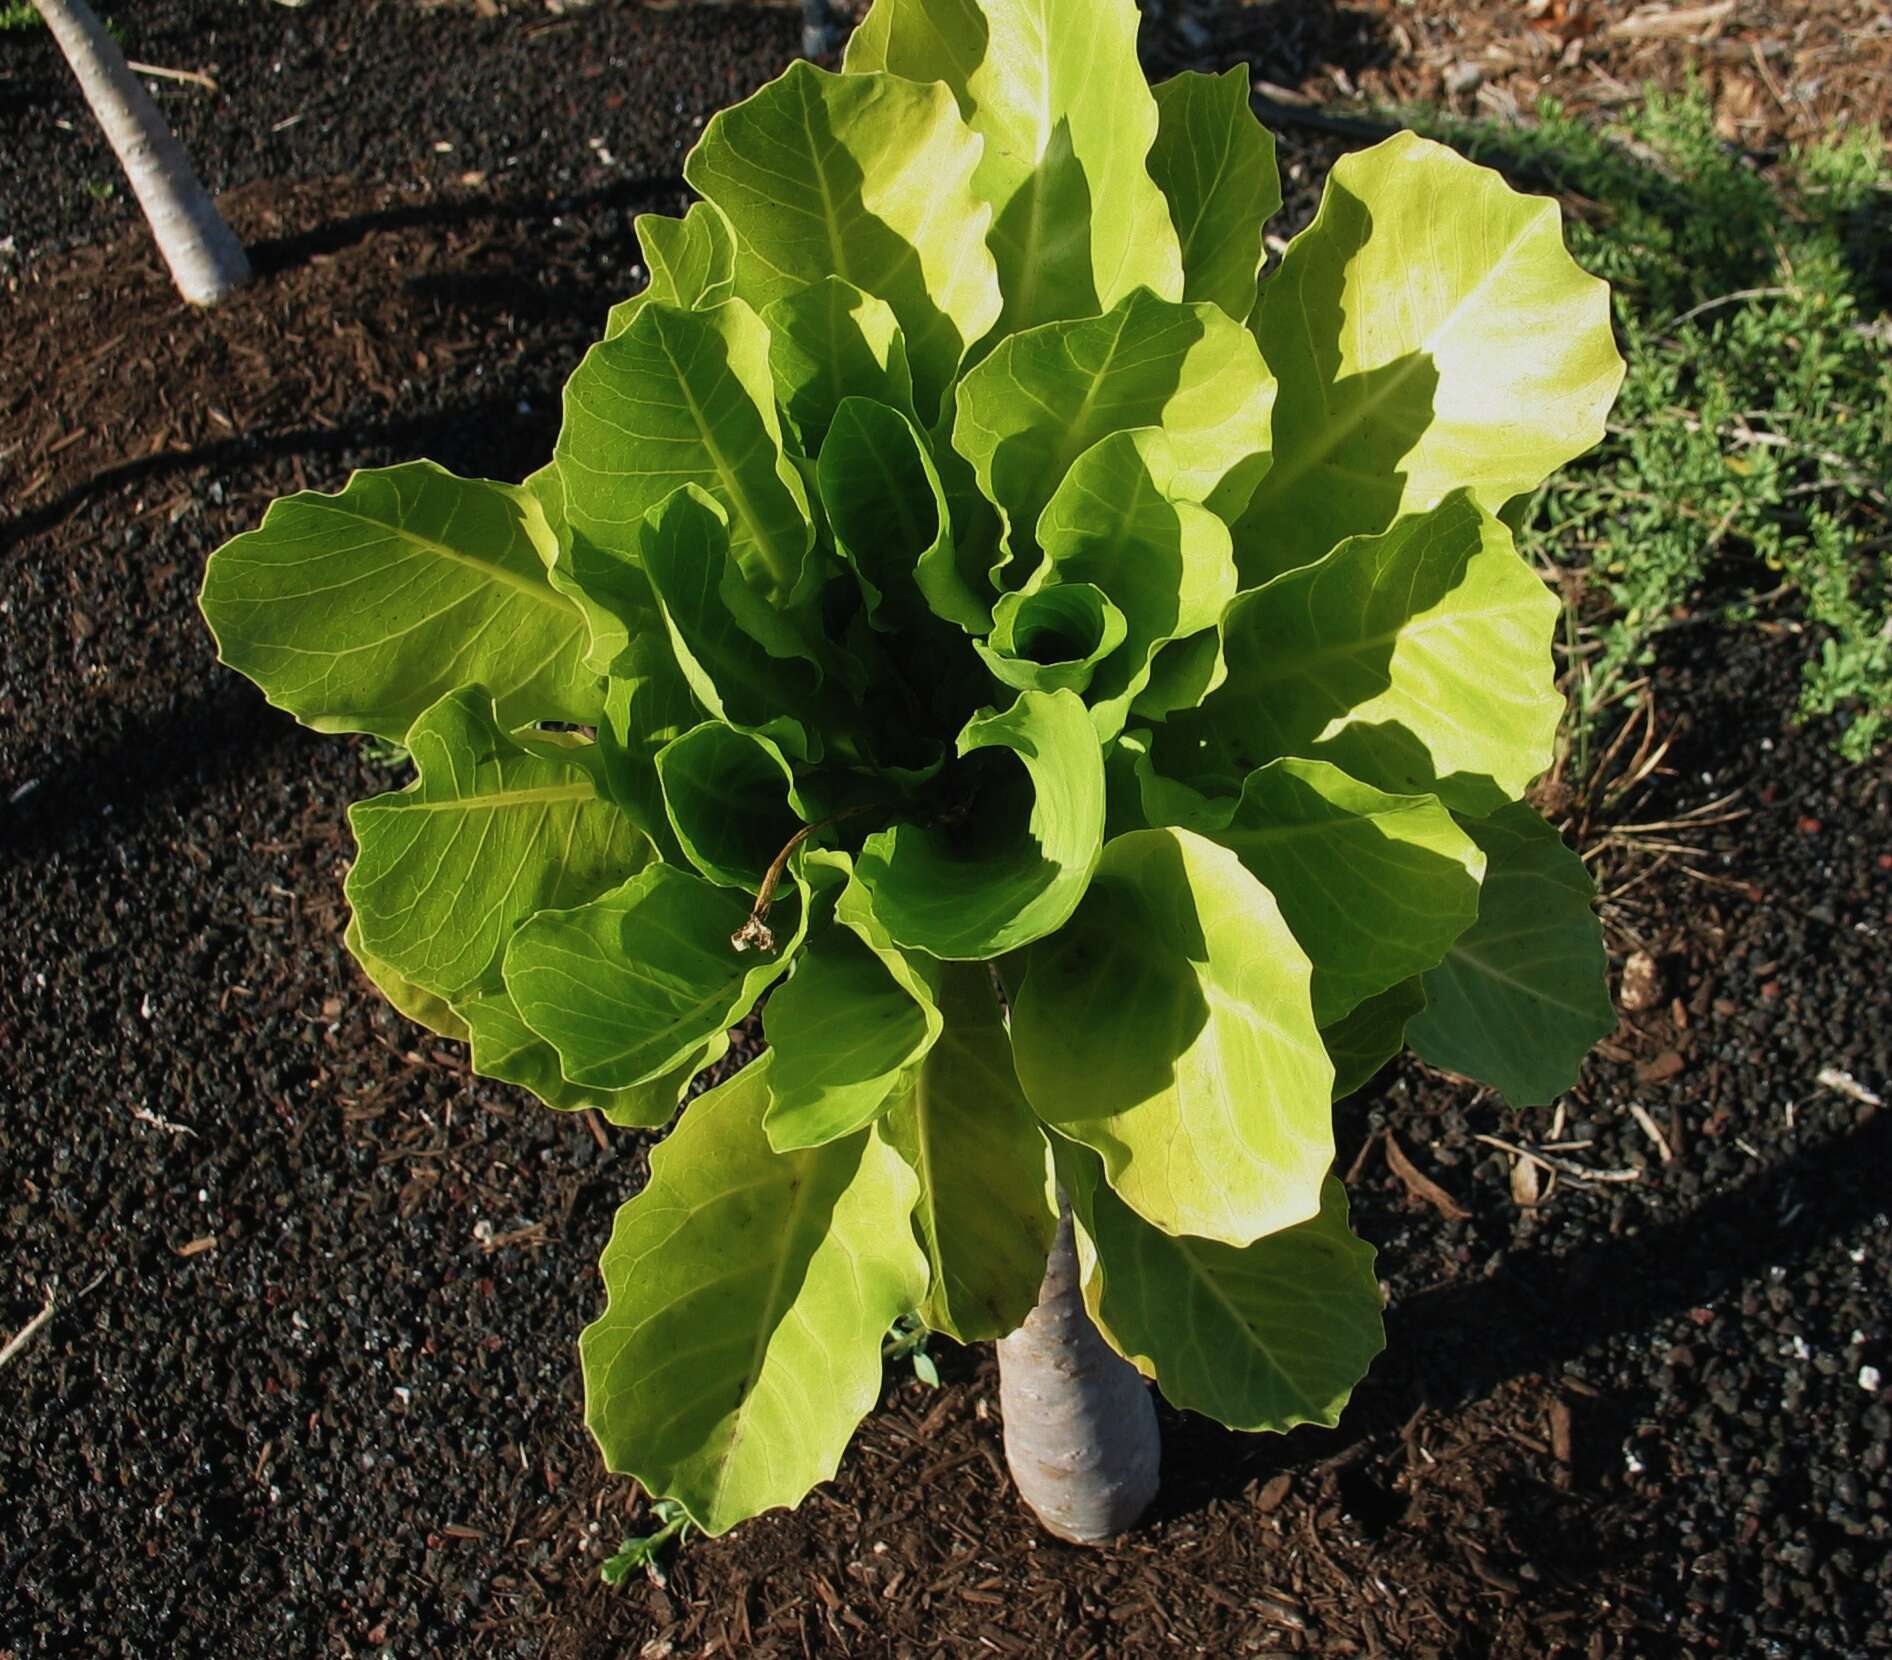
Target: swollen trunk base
(1080, 1428)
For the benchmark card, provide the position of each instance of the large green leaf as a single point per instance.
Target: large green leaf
(829, 341)
(647, 703)
(1166, 563)
(1052, 638)
(731, 799)
(494, 829)
(684, 397)
(987, 1211)
(1418, 660)
(357, 611)
(1046, 396)
(1214, 163)
(864, 177)
(420, 1006)
(1027, 823)
(1169, 1026)
(1430, 332)
(1054, 89)
(1258, 1337)
(1371, 1034)
(1522, 996)
(692, 264)
(505, 1047)
(749, 1292)
(842, 1031)
(644, 979)
(1376, 887)
(743, 659)
(884, 498)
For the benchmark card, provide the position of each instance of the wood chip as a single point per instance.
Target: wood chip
(1560, 1429)
(1641, 984)
(197, 1247)
(1420, 1185)
(1524, 1184)
(1846, 1084)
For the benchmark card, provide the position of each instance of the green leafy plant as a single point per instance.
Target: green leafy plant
(645, 1550)
(1089, 691)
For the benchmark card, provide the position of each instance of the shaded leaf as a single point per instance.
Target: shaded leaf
(1052, 638)
(1522, 996)
(1258, 1337)
(892, 528)
(731, 800)
(1030, 823)
(986, 1212)
(744, 661)
(842, 1030)
(1115, 520)
(829, 341)
(1214, 163)
(1371, 1034)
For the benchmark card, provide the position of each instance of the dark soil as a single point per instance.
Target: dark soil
(309, 1384)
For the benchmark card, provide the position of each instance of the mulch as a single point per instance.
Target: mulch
(309, 1382)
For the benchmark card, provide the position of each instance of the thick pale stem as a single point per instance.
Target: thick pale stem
(1080, 1428)
(206, 260)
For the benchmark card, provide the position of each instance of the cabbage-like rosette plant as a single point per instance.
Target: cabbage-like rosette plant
(1090, 686)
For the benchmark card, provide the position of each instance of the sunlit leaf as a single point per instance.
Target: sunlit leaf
(1054, 89)
(749, 1291)
(1046, 396)
(864, 177)
(1418, 660)
(494, 829)
(1169, 1027)
(644, 978)
(684, 397)
(357, 611)
(1431, 333)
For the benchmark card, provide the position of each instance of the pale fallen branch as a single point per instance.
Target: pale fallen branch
(25, 1334)
(1578, 1173)
(196, 77)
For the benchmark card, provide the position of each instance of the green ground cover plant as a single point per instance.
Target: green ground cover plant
(1088, 690)
(1751, 448)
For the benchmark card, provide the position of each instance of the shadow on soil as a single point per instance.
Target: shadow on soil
(1539, 1310)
